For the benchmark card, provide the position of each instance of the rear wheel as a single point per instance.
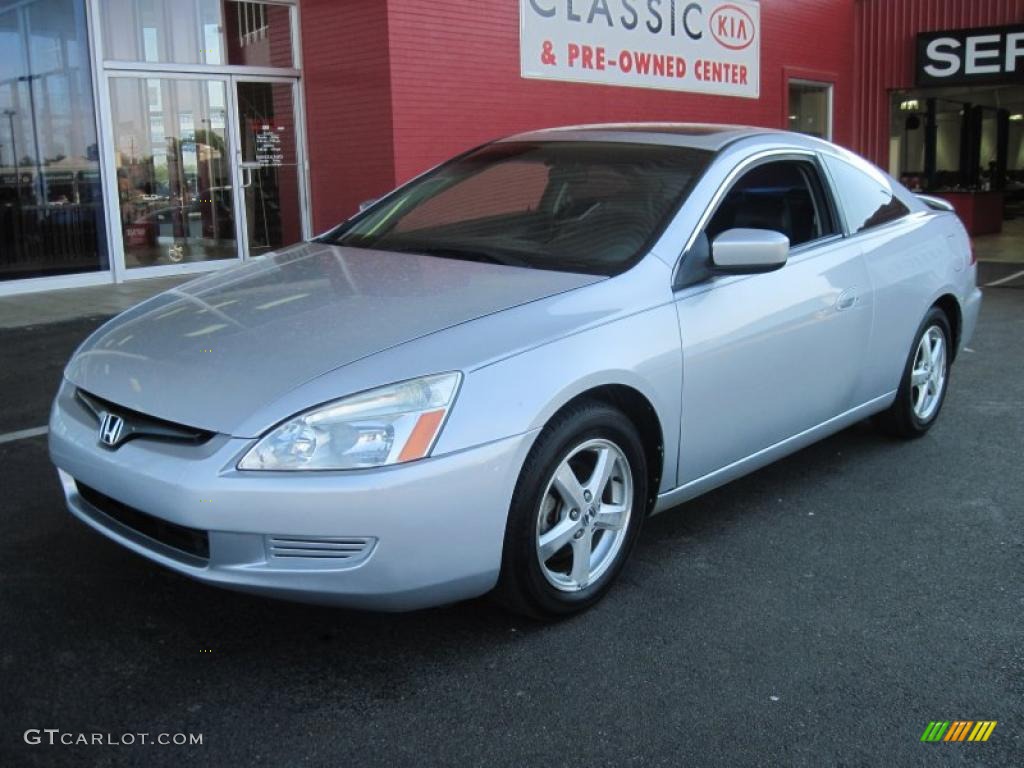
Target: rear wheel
(925, 376)
(576, 512)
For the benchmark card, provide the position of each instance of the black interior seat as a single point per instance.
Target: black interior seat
(779, 196)
(764, 211)
(802, 218)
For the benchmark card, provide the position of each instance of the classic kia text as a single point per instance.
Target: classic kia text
(486, 380)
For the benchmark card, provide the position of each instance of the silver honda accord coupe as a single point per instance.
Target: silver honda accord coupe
(486, 380)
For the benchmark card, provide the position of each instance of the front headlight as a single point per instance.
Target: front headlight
(388, 425)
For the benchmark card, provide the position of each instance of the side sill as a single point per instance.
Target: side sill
(767, 455)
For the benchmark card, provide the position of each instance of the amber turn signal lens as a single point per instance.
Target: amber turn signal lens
(422, 436)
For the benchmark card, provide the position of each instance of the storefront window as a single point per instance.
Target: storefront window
(200, 32)
(810, 108)
(959, 139)
(51, 209)
(173, 170)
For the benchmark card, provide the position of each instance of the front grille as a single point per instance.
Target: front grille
(139, 424)
(190, 541)
(348, 548)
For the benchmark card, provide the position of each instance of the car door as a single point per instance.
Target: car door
(906, 257)
(768, 356)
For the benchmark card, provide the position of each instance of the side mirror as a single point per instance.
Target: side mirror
(747, 251)
(366, 204)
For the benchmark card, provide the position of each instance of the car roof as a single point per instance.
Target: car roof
(707, 136)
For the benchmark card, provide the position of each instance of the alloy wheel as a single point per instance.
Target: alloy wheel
(584, 515)
(928, 375)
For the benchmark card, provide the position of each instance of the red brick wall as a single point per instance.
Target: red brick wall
(885, 35)
(348, 105)
(395, 86)
(456, 83)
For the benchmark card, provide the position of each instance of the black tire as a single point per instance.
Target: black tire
(523, 586)
(900, 419)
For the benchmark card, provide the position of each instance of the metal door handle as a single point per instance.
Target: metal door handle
(247, 167)
(846, 299)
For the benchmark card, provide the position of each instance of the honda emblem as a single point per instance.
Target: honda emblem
(111, 429)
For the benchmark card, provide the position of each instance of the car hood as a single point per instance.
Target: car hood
(211, 352)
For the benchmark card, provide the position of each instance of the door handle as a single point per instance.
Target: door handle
(846, 299)
(247, 167)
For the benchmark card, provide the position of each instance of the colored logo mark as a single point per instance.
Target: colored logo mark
(958, 730)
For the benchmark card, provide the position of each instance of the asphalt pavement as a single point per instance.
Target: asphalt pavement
(821, 611)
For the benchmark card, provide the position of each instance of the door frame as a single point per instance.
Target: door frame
(301, 164)
(104, 69)
(800, 256)
(112, 198)
(230, 81)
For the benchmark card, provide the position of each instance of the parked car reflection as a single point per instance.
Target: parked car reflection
(165, 230)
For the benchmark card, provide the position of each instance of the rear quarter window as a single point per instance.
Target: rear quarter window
(867, 199)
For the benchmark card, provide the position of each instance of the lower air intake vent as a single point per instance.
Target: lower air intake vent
(348, 548)
(190, 542)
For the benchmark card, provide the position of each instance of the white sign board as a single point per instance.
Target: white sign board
(702, 46)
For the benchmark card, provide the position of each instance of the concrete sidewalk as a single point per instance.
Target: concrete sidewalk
(44, 307)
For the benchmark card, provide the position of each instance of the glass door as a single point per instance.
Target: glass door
(173, 167)
(268, 164)
(207, 168)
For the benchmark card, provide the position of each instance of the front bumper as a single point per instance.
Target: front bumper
(416, 535)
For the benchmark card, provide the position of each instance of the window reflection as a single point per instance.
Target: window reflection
(51, 214)
(258, 35)
(173, 170)
(267, 137)
(868, 200)
(198, 32)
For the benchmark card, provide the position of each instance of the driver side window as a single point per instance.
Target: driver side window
(785, 196)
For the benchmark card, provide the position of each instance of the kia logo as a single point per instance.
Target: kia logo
(111, 429)
(732, 27)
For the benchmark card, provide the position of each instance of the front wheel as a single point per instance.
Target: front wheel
(575, 514)
(925, 376)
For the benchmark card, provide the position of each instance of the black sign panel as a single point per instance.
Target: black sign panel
(971, 56)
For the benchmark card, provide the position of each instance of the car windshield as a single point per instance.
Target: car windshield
(592, 207)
